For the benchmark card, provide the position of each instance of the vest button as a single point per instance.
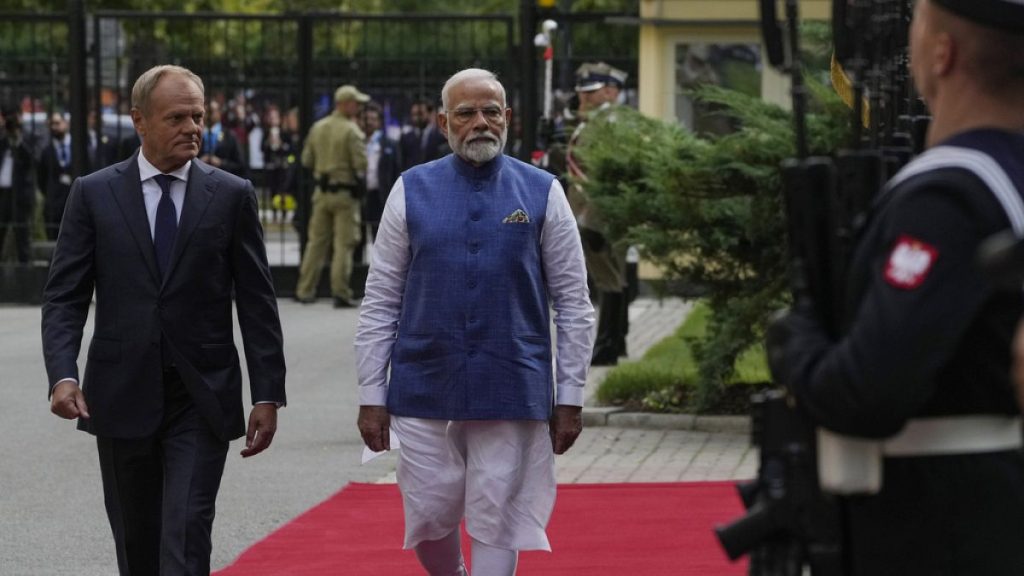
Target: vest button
(478, 186)
(475, 217)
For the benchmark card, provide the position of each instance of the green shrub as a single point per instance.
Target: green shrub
(665, 379)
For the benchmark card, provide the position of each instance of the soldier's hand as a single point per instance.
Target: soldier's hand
(794, 337)
(566, 425)
(374, 426)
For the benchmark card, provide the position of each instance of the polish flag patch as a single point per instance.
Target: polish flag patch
(909, 262)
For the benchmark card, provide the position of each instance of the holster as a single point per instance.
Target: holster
(328, 187)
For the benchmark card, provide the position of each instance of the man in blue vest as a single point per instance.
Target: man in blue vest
(473, 251)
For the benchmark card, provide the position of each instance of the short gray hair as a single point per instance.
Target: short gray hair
(471, 74)
(144, 86)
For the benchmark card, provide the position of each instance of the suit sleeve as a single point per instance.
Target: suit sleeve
(69, 289)
(256, 304)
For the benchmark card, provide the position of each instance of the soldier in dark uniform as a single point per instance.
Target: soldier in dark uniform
(924, 363)
(598, 86)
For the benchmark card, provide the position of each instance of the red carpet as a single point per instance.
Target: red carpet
(597, 530)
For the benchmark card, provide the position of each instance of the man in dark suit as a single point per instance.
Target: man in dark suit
(424, 142)
(54, 177)
(383, 165)
(101, 149)
(162, 391)
(221, 147)
(17, 189)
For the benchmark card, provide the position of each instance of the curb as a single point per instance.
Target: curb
(619, 418)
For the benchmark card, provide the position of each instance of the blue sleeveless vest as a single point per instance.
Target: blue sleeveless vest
(474, 340)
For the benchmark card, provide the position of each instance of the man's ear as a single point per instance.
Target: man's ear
(139, 121)
(442, 123)
(944, 54)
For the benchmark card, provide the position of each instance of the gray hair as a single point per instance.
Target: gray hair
(470, 74)
(144, 86)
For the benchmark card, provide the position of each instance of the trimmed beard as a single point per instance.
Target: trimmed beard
(484, 148)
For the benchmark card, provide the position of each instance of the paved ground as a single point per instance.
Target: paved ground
(51, 509)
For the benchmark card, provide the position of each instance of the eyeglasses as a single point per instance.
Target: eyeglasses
(492, 114)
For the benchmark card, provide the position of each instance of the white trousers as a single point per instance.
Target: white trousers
(498, 474)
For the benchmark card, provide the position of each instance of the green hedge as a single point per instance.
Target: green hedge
(665, 379)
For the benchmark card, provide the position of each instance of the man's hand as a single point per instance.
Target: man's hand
(374, 423)
(262, 426)
(67, 400)
(566, 425)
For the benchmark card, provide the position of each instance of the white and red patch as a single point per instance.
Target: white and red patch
(909, 262)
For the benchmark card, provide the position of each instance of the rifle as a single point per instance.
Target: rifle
(791, 523)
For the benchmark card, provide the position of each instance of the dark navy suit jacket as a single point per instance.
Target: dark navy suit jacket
(105, 245)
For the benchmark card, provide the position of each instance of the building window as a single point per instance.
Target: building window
(736, 66)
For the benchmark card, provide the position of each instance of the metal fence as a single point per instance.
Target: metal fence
(289, 63)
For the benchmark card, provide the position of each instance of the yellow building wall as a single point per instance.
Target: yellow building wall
(665, 23)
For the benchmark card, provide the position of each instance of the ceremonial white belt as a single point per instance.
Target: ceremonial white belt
(956, 435)
(849, 465)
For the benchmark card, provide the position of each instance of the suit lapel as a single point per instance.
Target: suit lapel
(127, 190)
(198, 194)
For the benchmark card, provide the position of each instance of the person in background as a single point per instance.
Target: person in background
(454, 345)
(54, 174)
(220, 146)
(17, 185)
(383, 165)
(598, 86)
(423, 142)
(101, 149)
(278, 155)
(335, 151)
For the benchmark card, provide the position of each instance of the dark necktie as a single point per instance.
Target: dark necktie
(166, 226)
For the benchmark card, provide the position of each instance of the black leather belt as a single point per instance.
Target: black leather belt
(335, 187)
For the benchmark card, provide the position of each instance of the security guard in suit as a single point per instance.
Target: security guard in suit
(598, 86)
(921, 376)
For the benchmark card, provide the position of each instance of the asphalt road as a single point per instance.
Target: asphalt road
(52, 520)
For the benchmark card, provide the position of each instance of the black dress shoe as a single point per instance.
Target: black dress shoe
(340, 302)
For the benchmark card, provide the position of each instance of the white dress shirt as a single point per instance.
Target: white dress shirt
(565, 275)
(151, 191)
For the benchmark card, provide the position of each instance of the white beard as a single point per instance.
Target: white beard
(481, 150)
